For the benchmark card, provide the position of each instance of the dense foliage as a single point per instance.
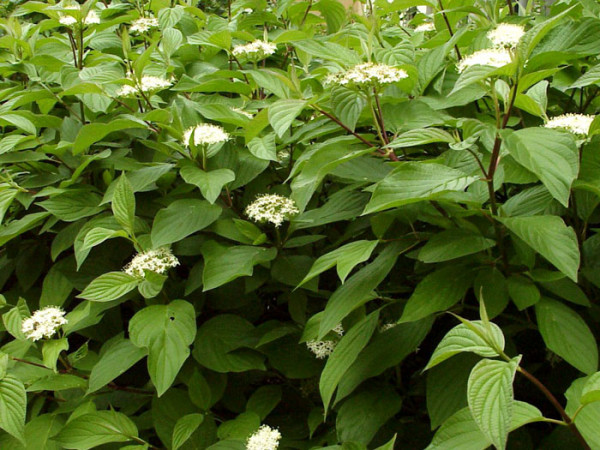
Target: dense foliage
(178, 182)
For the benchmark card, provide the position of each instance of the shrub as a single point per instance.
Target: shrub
(177, 185)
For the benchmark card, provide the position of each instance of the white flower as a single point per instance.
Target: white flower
(387, 326)
(147, 84)
(265, 438)
(143, 24)
(495, 57)
(575, 123)
(322, 349)
(506, 35)
(242, 112)
(67, 21)
(205, 134)
(255, 51)
(43, 323)
(271, 208)
(158, 261)
(424, 27)
(92, 18)
(367, 74)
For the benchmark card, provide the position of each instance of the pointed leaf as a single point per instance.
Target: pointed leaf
(550, 154)
(490, 398)
(166, 331)
(109, 286)
(210, 183)
(551, 238)
(567, 335)
(463, 338)
(414, 182)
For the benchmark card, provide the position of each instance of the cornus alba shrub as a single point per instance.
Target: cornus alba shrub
(280, 225)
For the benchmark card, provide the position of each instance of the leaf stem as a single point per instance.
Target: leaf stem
(511, 9)
(341, 124)
(458, 55)
(568, 421)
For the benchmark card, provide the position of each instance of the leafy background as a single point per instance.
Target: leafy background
(445, 192)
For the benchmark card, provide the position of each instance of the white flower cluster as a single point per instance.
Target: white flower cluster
(158, 261)
(92, 17)
(387, 326)
(254, 51)
(506, 35)
(143, 24)
(367, 75)
(424, 27)
(147, 84)
(575, 123)
(271, 208)
(43, 323)
(495, 57)
(205, 134)
(265, 438)
(322, 349)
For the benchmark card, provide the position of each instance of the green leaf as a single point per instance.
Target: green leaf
(453, 243)
(223, 344)
(19, 122)
(346, 258)
(264, 400)
(387, 349)
(224, 264)
(345, 353)
(7, 195)
(184, 427)
(109, 286)
(166, 331)
(490, 398)
(362, 415)
(97, 428)
(414, 182)
(592, 76)
(58, 382)
(421, 136)
(20, 226)
(447, 387)
(120, 357)
(474, 338)
(438, 291)
(123, 204)
(347, 104)
(567, 335)
(588, 418)
(73, 205)
(210, 183)
(94, 132)
(283, 112)
(550, 154)
(551, 238)
(359, 288)
(264, 147)
(461, 432)
(182, 218)
(13, 403)
(591, 389)
(534, 35)
(523, 292)
(51, 350)
(239, 428)
(98, 235)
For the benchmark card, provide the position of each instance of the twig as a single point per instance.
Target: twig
(570, 424)
(458, 55)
